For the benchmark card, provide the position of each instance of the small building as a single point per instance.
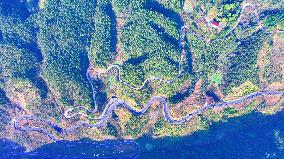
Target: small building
(215, 23)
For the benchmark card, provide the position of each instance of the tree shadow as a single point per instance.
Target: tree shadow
(34, 74)
(113, 32)
(40, 83)
(18, 9)
(32, 6)
(101, 96)
(1, 36)
(270, 12)
(165, 36)
(153, 5)
(14, 8)
(180, 96)
(3, 97)
(189, 60)
(171, 61)
(137, 60)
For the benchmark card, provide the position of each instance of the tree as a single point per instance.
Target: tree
(65, 31)
(16, 62)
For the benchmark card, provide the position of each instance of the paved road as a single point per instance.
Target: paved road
(113, 104)
(116, 103)
(28, 128)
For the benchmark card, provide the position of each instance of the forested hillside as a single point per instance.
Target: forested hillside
(56, 55)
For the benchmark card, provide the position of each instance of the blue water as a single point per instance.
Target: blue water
(81, 149)
(246, 137)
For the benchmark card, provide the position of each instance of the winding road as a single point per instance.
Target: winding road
(27, 128)
(183, 31)
(115, 103)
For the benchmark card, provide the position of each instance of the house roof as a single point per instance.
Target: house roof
(215, 23)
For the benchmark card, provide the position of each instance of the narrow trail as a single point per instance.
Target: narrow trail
(245, 5)
(256, 13)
